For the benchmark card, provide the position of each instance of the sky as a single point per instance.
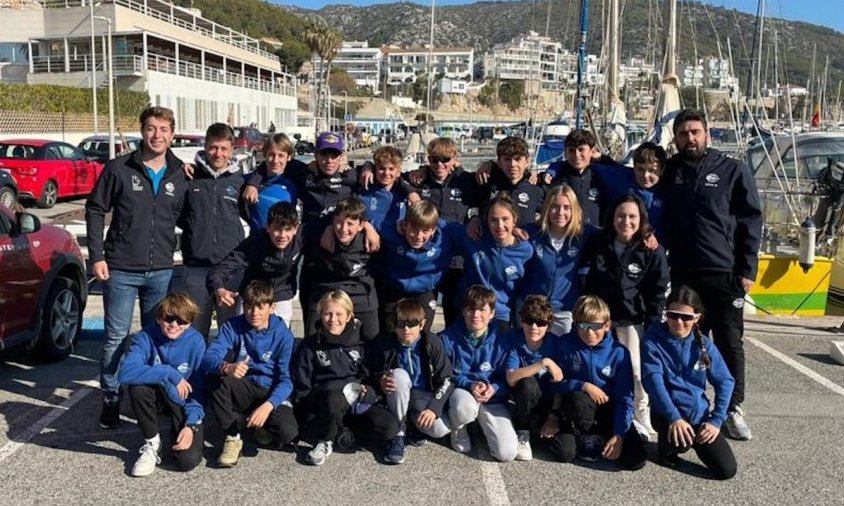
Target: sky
(820, 12)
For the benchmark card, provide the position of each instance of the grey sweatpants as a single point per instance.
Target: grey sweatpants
(494, 420)
(407, 402)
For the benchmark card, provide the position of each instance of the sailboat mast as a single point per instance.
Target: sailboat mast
(581, 60)
(669, 65)
(612, 73)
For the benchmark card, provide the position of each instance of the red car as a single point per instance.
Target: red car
(48, 170)
(43, 289)
(249, 141)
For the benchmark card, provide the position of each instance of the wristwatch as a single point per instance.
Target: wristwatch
(193, 426)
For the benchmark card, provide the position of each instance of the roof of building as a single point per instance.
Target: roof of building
(394, 49)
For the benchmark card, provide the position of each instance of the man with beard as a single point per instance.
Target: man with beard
(713, 237)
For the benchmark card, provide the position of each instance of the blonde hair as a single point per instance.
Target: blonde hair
(178, 304)
(338, 297)
(442, 146)
(590, 308)
(387, 155)
(422, 215)
(575, 225)
(280, 141)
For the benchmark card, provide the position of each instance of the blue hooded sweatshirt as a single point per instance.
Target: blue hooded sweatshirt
(483, 360)
(415, 271)
(675, 377)
(155, 359)
(276, 188)
(269, 352)
(607, 366)
(621, 181)
(383, 207)
(521, 355)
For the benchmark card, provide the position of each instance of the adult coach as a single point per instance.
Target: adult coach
(144, 191)
(713, 236)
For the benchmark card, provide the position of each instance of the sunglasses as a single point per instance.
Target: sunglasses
(438, 159)
(170, 318)
(407, 324)
(533, 321)
(593, 326)
(677, 315)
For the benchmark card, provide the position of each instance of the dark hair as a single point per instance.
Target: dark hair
(689, 297)
(350, 208)
(644, 224)
(687, 115)
(513, 147)
(219, 132)
(282, 215)
(478, 296)
(409, 309)
(504, 200)
(257, 293)
(159, 113)
(648, 152)
(581, 137)
(537, 307)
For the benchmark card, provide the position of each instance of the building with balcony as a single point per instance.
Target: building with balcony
(405, 65)
(361, 62)
(204, 71)
(528, 57)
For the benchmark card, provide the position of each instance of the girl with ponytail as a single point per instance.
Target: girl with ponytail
(677, 362)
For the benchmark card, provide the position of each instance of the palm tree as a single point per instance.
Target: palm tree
(324, 42)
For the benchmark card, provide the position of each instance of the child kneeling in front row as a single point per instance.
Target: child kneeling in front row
(597, 392)
(677, 361)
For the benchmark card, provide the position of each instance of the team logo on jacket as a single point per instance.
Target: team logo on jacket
(400, 251)
(607, 371)
(295, 257)
(426, 193)
(712, 180)
(539, 253)
(511, 271)
(456, 193)
(156, 360)
(700, 366)
(593, 194)
(576, 364)
(231, 191)
(656, 202)
(572, 252)
(335, 180)
(169, 189)
(600, 263)
(634, 269)
(432, 304)
(137, 186)
(493, 192)
(183, 368)
(355, 355)
(738, 303)
(356, 268)
(373, 203)
(485, 367)
(323, 359)
(265, 357)
(431, 252)
(523, 197)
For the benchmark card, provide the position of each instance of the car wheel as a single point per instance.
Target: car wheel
(49, 195)
(7, 198)
(61, 322)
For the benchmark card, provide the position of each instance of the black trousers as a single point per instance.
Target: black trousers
(723, 300)
(452, 299)
(389, 298)
(234, 400)
(582, 416)
(326, 411)
(717, 455)
(149, 401)
(528, 408)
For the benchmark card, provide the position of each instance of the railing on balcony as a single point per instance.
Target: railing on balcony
(207, 27)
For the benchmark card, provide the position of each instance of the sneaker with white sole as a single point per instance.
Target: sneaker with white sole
(145, 465)
(735, 425)
(232, 448)
(460, 440)
(321, 451)
(396, 449)
(525, 452)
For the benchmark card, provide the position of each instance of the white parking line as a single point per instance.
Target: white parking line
(11, 447)
(835, 387)
(496, 491)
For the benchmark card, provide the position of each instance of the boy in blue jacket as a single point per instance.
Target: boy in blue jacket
(162, 370)
(677, 362)
(385, 198)
(597, 392)
(478, 356)
(250, 365)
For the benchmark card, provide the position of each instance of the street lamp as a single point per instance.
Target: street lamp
(94, 68)
(345, 115)
(111, 150)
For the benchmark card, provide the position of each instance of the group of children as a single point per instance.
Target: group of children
(554, 330)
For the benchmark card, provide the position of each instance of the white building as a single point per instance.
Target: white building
(691, 74)
(204, 71)
(718, 74)
(454, 86)
(528, 57)
(361, 62)
(404, 65)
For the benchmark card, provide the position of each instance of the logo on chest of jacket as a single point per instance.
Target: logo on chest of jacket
(456, 193)
(431, 252)
(137, 186)
(156, 360)
(511, 271)
(607, 371)
(426, 193)
(700, 366)
(712, 180)
(634, 269)
(231, 191)
(323, 359)
(524, 198)
(356, 268)
(593, 194)
(183, 368)
(657, 202)
(539, 253)
(576, 364)
(169, 189)
(354, 355)
(485, 367)
(432, 304)
(265, 357)
(373, 203)
(400, 251)
(572, 252)
(335, 181)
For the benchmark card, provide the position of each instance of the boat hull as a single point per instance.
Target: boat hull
(783, 288)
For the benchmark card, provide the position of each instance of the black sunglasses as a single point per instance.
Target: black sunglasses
(594, 326)
(170, 318)
(677, 315)
(407, 324)
(537, 322)
(439, 159)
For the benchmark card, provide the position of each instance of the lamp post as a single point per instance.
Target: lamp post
(111, 150)
(345, 115)
(94, 70)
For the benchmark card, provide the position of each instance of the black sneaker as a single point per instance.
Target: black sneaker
(110, 415)
(346, 441)
(416, 437)
(590, 447)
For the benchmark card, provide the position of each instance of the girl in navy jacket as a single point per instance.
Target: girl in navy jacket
(677, 362)
(558, 241)
(632, 279)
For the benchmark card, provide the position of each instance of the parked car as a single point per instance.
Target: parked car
(43, 289)
(47, 170)
(97, 146)
(186, 146)
(8, 190)
(250, 141)
(455, 132)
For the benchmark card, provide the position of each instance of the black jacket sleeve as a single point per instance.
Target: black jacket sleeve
(222, 273)
(99, 203)
(654, 287)
(747, 209)
(301, 370)
(442, 384)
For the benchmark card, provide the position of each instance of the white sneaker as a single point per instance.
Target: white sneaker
(460, 440)
(524, 452)
(736, 426)
(321, 451)
(145, 465)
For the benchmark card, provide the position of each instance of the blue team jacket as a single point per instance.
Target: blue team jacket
(485, 362)
(521, 355)
(415, 271)
(607, 366)
(675, 378)
(383, 207)
(269, 352)
(155, 359)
